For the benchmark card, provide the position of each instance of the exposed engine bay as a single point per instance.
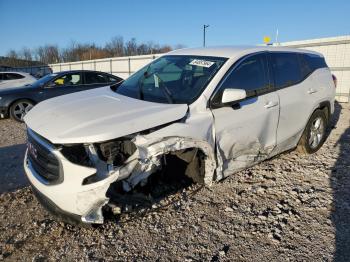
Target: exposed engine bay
(138, 169)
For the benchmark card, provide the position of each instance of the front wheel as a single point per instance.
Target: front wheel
(19, 109)
(314, 134)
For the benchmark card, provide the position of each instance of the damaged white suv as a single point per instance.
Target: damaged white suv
(219, 110)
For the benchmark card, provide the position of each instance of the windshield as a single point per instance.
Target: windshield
(43, 80)
(172, 79)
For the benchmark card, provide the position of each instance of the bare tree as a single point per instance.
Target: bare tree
(131, 47)
(12, 58)
(52, 54)
(115, 47)
(47, 54)
(26, 54)
(12, 54)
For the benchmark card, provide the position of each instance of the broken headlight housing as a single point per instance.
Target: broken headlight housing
(77, 154)
(113, 153)
(116, 152)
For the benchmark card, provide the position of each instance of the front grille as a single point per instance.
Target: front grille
(43, 161)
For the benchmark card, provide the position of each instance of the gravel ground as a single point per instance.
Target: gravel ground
(293, 207)
(12, 148)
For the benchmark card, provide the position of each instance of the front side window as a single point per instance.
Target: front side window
(251, 75)
(44, 80)
(172, 79)
(286, 69)
(68, 80)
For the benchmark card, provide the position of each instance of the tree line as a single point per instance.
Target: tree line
(116, 47)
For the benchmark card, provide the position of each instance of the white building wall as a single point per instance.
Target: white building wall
(119, 66)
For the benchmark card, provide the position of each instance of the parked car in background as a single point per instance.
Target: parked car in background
(15, 79)
(215, 110)
(16, 102)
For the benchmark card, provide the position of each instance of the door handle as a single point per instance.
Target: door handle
(311, 91)
(270, 104)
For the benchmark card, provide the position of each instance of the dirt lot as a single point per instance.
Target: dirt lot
(294, 207)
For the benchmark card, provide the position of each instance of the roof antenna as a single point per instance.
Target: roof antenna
(276, 39)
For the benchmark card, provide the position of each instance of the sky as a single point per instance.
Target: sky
(39, 22)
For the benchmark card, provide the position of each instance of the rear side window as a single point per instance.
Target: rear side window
(251, 75)
(286, 69)
(113, 79)
(315, 61)
(12, 76)
(95, 78)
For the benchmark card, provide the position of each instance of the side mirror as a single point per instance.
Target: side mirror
(49, 85)
(233, 95)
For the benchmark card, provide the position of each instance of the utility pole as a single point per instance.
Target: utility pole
(204, 27)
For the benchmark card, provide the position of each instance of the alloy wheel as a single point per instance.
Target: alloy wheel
(316, 132)
(21, 109)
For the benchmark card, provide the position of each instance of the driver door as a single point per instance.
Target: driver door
(246, 131)
(64, 84)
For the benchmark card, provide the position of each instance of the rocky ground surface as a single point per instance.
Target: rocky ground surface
(293, 207)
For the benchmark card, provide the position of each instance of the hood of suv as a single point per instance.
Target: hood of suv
(98, 115)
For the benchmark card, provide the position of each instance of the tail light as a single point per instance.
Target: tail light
(335, 81)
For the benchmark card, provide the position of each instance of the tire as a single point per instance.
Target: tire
(20, 108)
(314, 134)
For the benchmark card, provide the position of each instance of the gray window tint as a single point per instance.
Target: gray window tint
(12, 76)
(250, 75)
(315, 61)
(304, 66)
(95, 78)
(286, 69)
(113, 79)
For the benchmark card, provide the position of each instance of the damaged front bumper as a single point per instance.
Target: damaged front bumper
(73, 196)
(54, 209)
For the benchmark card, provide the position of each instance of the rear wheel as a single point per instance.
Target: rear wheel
(314, 134)
(19, 109)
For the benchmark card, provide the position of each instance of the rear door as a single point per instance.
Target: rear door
(246, 132)
(95, 79)
(296, 94)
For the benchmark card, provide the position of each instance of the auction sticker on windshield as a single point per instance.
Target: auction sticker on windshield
(202, 63)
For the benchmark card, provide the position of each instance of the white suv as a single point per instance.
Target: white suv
(219, 110)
